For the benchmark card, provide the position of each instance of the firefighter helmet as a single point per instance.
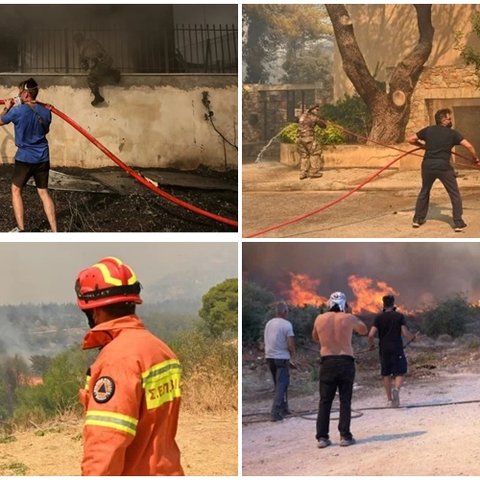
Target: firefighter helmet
(107, 282)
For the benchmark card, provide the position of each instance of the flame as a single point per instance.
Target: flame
(303, 291)
(368, 293)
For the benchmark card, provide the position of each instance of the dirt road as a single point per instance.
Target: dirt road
(273, 194)
(411, 440)
(208, 444)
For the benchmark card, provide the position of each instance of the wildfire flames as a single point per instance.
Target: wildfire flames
(303, 291)
(367, 292)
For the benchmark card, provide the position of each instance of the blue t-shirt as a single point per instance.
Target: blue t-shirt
(31, 127)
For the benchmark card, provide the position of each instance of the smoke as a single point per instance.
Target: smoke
(419, 272)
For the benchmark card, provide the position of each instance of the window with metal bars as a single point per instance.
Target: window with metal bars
(182, 49)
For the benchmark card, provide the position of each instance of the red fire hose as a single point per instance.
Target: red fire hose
(332, 203)
(136, 175)
(343, 197)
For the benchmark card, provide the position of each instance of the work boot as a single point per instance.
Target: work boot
(97, 100)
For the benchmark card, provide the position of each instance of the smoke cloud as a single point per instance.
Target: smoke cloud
(419, 272)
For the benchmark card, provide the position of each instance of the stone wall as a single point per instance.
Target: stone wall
(441, 87)
(147, 121)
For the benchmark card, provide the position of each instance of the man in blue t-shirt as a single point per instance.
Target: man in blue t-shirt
(438, 141)
(390, 326)
(32, 123)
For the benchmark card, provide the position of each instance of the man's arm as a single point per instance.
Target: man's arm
(465, 143)
(9, 102)
(371, 337)
(291, 346)
(414, 140)
(359, 326)
(315, 334)
(407, 334)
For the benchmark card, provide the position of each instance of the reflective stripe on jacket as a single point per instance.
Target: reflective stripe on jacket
(132, 401)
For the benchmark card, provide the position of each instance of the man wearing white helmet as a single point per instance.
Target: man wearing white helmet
(333, 331)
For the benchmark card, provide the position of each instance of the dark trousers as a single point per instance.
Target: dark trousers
(449, 181)
(281, 378)
(336, 372)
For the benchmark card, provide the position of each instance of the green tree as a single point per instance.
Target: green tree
(272, 27)
(449, 316)
(257, 303)
(220, 309)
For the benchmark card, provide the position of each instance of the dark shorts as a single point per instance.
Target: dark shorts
(393, 363)
(22, 172)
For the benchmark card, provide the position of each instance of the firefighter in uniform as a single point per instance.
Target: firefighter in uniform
(309, 149)
(132, 393)
(95, 60)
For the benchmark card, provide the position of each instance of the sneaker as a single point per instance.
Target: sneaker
(417, 223)
(323, 442)
(303, 176)
(346, 442)
(316, 175)
(389, 404)
(16, 229)
(459, 227)
(395, 398)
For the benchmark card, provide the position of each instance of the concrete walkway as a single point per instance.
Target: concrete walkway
(273, 193)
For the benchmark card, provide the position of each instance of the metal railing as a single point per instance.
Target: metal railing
(183, 49)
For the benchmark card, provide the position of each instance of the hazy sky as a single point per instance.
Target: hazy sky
(46, 272)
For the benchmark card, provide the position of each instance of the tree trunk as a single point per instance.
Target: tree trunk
(390, 111)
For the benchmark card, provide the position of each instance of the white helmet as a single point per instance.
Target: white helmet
(337, 298)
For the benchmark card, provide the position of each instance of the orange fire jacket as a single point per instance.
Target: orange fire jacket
(132, 401)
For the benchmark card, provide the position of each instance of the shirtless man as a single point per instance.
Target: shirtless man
(333, 331)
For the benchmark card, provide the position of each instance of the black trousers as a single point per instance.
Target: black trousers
(449, 181)
(336, 372)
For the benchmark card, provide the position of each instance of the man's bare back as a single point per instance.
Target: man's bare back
(333, 330)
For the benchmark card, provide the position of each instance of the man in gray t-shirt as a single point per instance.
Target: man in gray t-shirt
(279, 350)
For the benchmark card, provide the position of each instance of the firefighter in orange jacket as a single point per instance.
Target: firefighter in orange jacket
(132, 393)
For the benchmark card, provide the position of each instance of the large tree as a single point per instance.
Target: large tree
(390, 110)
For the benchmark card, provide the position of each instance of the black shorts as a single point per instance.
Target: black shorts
(393, 364)
(22, 172)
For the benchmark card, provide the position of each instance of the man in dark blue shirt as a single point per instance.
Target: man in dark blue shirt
(32, 123)
(438, 141)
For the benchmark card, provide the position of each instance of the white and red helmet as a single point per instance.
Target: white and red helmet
(107, 282)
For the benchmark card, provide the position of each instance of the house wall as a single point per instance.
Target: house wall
(386, 33)
(148, 121)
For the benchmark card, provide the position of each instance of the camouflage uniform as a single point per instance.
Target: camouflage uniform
(310, 151)
(98, 63)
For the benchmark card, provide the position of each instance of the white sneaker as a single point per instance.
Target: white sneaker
(16, 229)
